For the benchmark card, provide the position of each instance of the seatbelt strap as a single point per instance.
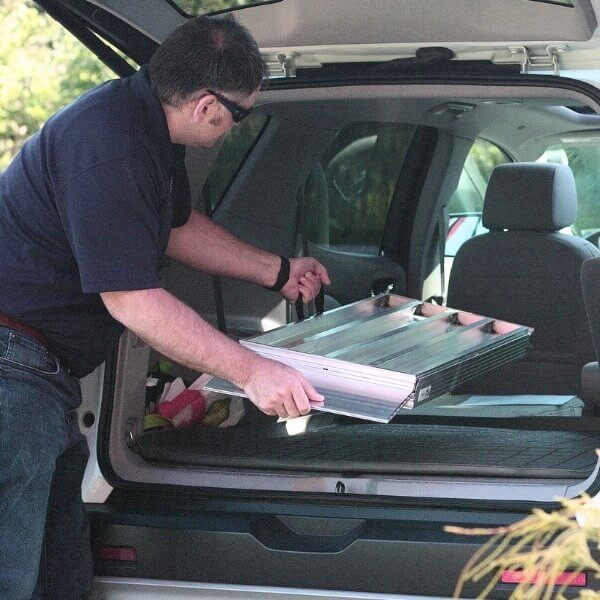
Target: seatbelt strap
(441, 229)
(216, 280)
(442, 251)
(301, 230)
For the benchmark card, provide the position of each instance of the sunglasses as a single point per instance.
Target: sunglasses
(237, 112)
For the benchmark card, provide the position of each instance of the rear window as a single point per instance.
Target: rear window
(193, 8)
(582, 156)
(236, 147)
(466, 204)
(349, 192)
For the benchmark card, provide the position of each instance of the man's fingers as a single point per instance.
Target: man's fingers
(312, 394)
(318, 272)
(301, 400)
(291, 408)
(321, 273)
(311, 285)
(282, 413)
(278, 389)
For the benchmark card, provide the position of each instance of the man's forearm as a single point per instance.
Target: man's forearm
(206, 246)
(176, 331)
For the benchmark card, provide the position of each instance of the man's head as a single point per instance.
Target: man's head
(206, 74)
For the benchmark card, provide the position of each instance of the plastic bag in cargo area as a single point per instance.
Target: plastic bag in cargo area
(180, 407)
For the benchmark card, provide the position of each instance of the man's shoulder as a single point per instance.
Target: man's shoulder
(105, 113)
(102, 126)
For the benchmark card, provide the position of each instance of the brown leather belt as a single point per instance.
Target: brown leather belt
(36, 335)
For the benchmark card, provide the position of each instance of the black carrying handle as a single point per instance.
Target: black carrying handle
(319, 305)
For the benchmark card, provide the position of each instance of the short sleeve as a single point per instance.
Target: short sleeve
(111, 216)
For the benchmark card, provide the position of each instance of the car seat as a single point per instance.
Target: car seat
(525, 271)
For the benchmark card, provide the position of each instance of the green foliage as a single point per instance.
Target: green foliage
(542, 546)
(487, 157)
(42, 68)
(483, 158)
(584, 161)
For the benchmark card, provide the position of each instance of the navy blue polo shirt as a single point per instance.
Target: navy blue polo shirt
(87, 206)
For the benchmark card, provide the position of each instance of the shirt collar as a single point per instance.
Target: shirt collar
(154, 113)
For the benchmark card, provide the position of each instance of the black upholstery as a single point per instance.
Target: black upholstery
(525, 272)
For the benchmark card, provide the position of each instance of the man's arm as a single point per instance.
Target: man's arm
(204, 245)
(176, 331)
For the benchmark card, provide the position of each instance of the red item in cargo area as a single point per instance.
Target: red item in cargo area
(185, 409)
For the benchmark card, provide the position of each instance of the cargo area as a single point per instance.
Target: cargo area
(522, 430)
(331, 443)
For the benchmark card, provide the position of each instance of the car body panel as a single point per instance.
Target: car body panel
(316, 32)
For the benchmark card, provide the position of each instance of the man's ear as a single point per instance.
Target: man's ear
(204, 108)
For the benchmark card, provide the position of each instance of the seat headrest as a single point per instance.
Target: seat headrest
(530, 196)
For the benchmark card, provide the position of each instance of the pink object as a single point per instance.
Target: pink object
(566, 578)
(185, 409)
(120, 553)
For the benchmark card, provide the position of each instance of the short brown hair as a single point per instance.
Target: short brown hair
(206, 53)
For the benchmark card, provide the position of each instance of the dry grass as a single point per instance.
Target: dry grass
(543, 545)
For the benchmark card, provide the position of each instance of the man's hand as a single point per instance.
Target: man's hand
(280, 390)
(307, 275)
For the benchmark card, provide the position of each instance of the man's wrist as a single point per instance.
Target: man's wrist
(283, 275)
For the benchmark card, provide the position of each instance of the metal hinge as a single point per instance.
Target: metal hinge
(283, 66)
(530, 62)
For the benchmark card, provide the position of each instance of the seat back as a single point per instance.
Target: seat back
(526, 272)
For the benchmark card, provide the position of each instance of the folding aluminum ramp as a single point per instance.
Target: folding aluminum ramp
(378, 356)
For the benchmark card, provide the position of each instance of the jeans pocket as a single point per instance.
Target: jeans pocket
(21, 352)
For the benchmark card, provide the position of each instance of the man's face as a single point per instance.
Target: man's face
(211, 119)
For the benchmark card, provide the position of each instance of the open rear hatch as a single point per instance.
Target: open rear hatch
(301, 37)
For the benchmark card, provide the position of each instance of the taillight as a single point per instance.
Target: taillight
(118, 553)
(565, 578)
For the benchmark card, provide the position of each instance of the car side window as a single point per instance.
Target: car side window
(466, 203)
(349, 191)
(583, 157)
(236, 147)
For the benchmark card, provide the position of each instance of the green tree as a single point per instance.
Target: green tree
(42, 68)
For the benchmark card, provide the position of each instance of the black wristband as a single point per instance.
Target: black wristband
(282, 276)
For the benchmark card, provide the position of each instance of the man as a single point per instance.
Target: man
(87, 211)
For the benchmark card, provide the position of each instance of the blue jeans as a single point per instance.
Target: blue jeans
(44, 531)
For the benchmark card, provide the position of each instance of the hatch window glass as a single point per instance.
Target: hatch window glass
(466, 204)
(583, 157)
(236, 147)
(349, 191)
(193, 8)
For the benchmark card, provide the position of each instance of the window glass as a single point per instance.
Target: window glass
(207, 7)
(48, 69)
(349, 191)
(235, 148)
(583, 157)
(466, 204)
